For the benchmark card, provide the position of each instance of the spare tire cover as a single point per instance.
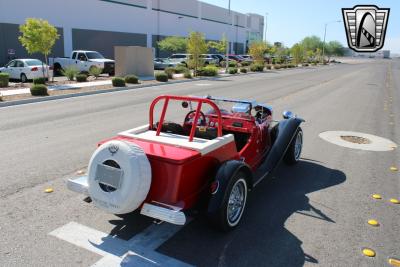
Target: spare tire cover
(131, 177)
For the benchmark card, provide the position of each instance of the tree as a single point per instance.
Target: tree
(311, 43)
(219, 46)
(257, 51)
(334, 48)
(38, 36)
(318, 54)
(310, 55)
(196, 46)
(297, 53)
(173, 44)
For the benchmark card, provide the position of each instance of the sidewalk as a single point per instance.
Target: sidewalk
(56, 87)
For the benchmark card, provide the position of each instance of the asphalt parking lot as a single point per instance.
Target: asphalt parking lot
(313, 213)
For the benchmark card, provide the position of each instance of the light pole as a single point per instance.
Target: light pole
(227, 38)
(266, 25)
(323, 44)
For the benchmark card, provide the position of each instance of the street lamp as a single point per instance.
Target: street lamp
(323, 45)
(266, 25)
(227, 38)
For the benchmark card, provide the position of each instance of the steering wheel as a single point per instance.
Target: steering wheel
(190, 117)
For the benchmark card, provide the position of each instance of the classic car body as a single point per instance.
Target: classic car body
(214, 157)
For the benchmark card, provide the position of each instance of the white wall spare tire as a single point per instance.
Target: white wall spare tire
(119, 177)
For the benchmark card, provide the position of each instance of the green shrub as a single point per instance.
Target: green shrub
(180, 69)
(231, 64)
(39, 80)
(243, 70)
(161, 77)
(257, 67)
(232, 70)
(277, 67)
(118, 82)
(187, 74)
(314, 63)
(95, 71)
(268, 66)
(39, 90)
(70, 72)
(4, 78)
(245, 63)
(208, 71)
(170, 72)
(81, 77)
(131, 79)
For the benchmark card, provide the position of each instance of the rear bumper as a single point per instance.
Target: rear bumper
(79, 185)
(158, 211)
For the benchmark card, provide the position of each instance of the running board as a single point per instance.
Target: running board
(171, 215)
(79, 185)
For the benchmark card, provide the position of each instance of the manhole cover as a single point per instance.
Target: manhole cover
(355, 139)
(358, 140)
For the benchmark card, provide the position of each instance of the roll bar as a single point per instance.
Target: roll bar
(199, 101)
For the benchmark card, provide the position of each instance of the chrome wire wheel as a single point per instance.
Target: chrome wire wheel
(236, 202)
(298, 145)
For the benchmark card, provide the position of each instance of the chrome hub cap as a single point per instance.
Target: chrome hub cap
(236, 202)
(298, 145)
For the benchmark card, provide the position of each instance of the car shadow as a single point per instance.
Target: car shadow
(262, 238)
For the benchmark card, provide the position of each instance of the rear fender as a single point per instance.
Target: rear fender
(224, 174)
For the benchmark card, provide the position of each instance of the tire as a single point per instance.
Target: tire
(293, 153)
(227, 218)
(133, 183)
(57, 69)
(23, 78)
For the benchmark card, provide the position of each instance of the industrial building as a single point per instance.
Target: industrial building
(102, 24)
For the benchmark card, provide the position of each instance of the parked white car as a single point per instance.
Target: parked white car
(26, 69)
(83, 60)
(209, 59)
(179, 58)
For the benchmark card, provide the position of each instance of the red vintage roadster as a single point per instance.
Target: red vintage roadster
(216, 155)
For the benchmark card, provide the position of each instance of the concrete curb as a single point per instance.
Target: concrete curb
(116, 89)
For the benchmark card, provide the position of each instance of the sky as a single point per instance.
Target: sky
(289, 21)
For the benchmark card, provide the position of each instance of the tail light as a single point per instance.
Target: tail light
(35, 69)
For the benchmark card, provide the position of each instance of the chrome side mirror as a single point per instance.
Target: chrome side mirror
(287, 114)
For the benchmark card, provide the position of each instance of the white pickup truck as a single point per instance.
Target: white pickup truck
(83, 61)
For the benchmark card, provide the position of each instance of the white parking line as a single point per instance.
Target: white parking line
(137, 251)
(203, 84)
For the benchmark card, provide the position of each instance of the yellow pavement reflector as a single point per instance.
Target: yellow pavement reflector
(48, 190)
(376, 196)
(394, 262)
(373, 222)
(368, 252)
(394, 169)
(394, 201)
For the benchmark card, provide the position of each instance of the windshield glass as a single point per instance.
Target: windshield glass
(94, 55)
(33, 62)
